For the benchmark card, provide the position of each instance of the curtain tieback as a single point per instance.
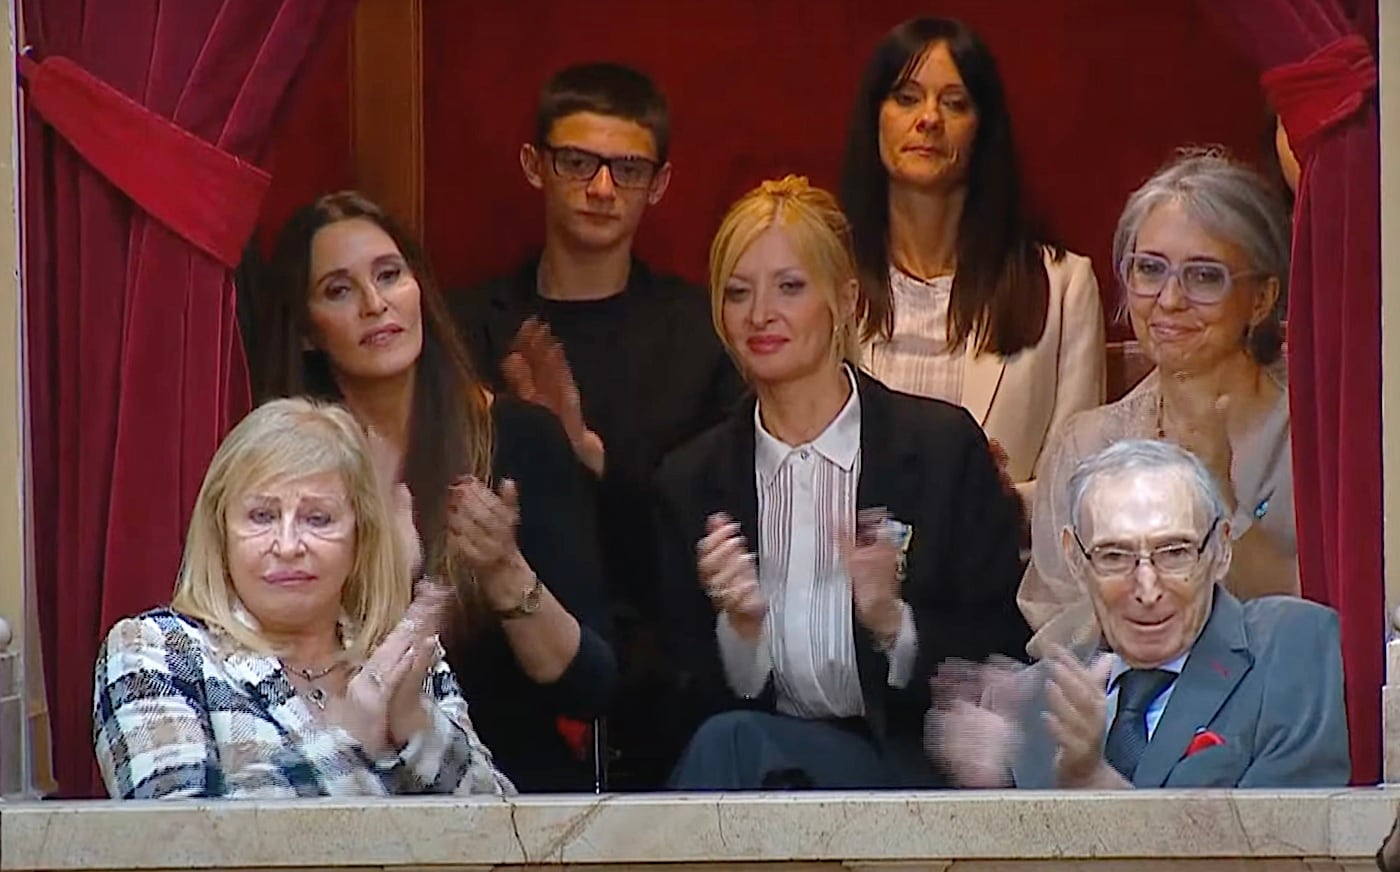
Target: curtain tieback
(1322, 90)
(207, 196)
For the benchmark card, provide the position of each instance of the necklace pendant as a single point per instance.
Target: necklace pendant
(317, 696)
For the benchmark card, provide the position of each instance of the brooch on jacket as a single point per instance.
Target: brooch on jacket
(874, 525)
(901, 535)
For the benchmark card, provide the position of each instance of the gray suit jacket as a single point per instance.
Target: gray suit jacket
(1265, 676)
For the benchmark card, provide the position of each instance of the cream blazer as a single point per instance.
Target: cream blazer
(1022, 399)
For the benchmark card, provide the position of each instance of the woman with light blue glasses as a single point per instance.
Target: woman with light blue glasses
(1202, 254)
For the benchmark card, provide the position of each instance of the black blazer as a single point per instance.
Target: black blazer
(928, 463)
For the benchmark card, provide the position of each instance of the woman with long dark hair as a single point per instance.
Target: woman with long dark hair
(350, 313)
(968, 304)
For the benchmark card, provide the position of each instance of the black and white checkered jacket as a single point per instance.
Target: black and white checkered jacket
(181, 710)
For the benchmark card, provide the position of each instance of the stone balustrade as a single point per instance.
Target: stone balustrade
(1149, 831)
(12, 715)
(1390, 713)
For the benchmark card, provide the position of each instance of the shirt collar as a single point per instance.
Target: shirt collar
(1119, 667)
(838, 443)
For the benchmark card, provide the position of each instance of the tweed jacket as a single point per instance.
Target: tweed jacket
(182, 710)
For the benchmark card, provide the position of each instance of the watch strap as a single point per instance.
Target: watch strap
(529, 602)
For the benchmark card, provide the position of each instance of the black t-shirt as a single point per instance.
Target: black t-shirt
(651, 374)
(597, 336)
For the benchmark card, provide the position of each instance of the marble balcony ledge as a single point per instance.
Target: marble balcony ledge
(1198, 830)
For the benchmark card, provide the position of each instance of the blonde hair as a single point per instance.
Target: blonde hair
(278, 441)
(819, 233)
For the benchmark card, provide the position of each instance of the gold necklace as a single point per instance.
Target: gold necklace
(315, 674)
(316, 693)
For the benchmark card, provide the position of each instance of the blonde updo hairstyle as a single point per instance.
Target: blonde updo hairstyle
(279, 441)
(819, 233)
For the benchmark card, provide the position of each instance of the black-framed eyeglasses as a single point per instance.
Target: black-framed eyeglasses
(1172, 559)
(1204, 282)
(579, 165)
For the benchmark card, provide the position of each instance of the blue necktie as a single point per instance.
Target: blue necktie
(1127, 737)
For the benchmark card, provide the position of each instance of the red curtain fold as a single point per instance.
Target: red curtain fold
(136, 368)
(1321, 78)
(216, 206)
(1316, 94)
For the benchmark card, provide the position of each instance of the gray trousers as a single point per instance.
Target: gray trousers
(753, 750)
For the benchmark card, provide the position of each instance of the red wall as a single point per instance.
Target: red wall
(1101, 92)
(312, 152)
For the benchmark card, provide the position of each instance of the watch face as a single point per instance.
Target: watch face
(532, 598)
(529, 602)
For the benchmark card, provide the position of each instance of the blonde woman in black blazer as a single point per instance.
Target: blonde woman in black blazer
(828, 546)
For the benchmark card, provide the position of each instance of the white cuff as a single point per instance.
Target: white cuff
(746, 664)
(426, 752)
(904, 650)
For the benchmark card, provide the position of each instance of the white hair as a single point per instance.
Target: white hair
(1145, 455)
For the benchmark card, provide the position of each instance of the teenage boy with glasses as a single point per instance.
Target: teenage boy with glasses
(624, 356)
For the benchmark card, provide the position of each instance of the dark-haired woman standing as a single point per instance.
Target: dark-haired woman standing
(350, 313)
(967, 305)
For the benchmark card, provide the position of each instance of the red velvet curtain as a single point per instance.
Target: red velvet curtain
(1321, 77)
(136, 368)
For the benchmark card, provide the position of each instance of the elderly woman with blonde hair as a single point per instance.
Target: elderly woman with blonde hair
(296, 658)
(827, 546)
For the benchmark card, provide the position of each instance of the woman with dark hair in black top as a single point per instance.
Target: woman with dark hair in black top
(350, 312)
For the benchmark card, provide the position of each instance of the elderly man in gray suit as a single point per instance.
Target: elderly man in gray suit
(1185, 686)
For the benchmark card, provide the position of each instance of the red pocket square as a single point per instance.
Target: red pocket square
(1204, 739)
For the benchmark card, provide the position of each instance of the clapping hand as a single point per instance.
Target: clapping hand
(872, 561)
(481, 528)
(384, 705)
(1076, 702)
(1195, 416)
(481, 523)
(538, 372)
(728, 576)
(972, 728)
